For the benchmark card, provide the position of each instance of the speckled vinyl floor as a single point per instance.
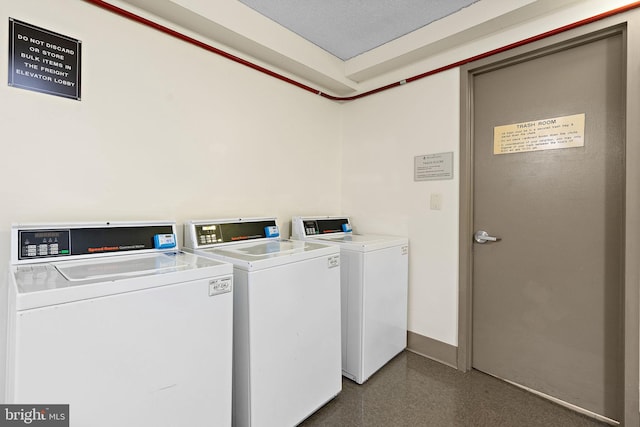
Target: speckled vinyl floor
(414, 391)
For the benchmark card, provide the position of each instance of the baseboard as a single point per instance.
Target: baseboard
(432, 349)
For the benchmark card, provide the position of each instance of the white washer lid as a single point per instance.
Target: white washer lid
(362, 242)
(114, 267)
(269, 253)
(44, 284)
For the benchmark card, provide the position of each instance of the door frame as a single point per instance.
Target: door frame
(628, 25)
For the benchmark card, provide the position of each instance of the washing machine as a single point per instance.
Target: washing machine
(374, 287)
(287, 361)
(115, 321)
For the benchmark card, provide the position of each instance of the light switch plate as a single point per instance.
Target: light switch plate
(436, 201)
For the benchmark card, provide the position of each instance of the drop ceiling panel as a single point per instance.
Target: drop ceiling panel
(348, 28)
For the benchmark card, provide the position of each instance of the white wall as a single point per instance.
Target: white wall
(167, 130)
(382, 134)
(164, 130)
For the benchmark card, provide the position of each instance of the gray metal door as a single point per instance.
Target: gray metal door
(547, 309)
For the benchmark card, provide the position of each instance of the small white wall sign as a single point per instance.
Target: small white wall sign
(433, 167)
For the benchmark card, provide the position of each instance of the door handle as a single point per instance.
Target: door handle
(482, 236)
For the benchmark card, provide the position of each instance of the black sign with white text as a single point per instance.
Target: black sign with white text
(43, 61)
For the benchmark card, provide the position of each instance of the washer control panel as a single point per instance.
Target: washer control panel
(224, 232)
(44, 243)
(313, 227)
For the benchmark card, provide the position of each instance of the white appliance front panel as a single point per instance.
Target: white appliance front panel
(374, 309)
(351, 294)
(384, 333)
(287, 338)
(155, 357)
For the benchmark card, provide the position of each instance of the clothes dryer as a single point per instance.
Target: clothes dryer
(115, 321)
(374, 287)
(286, 318)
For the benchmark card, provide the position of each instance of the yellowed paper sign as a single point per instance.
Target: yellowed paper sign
(537, 135)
